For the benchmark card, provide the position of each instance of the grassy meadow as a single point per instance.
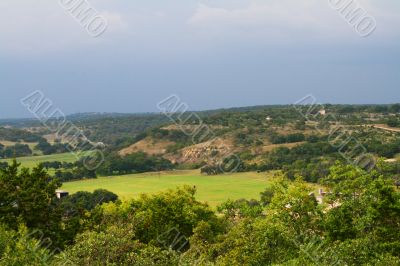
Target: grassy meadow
(32, 161)
(211, 189)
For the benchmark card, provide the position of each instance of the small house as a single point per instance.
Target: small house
(61, 194)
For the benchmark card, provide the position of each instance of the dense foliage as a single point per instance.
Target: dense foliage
(17, 150)
(264, 137)
(117, 130)
(134, 163)
(28, 199)
(15, 135)
(46, 148)
(357, 223)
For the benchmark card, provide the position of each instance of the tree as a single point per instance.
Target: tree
(115, 246)
(18, 150)
(29, 197)
(160, 219)
(393, 122)
(45, 147)
(241, 208)
(211, 170)
(88, 200)
(20, 248)
(3, 165)
(366, 206)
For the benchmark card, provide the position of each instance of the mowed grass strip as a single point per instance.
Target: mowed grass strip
(33, 161)
(211, 189)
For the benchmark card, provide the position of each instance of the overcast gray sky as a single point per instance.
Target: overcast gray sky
(212, 53)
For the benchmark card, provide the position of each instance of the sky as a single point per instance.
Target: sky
(210, 53)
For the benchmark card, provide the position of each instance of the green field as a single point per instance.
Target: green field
(211, 189)
(33, 161)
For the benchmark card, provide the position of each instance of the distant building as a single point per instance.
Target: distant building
(61, 194)
(268, 118)
(100, 145)
(322, 112)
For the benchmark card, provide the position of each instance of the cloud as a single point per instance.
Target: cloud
(115, 21)
(291, 14)
(285, 18)
(44, 26)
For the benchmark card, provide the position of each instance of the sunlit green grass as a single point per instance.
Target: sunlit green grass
(211, 189)
(33, 161)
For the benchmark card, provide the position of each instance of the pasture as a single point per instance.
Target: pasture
(211, 189)
(32, 161)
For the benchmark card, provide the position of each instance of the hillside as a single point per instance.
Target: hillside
(148, 145)
(296, 139)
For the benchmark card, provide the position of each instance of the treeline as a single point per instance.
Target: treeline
(65, 171)
(76, 173)
(138, 162)
(17, 150)
(311, 160)
(282, 156)
(58, 165)
(48, 149)
(15, 135)
(113, 164)
(290, 138)
(117, 130)
(393, 122)
(388, 150)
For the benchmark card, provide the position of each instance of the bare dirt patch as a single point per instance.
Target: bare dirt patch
(149, 146)
(207, 151)
(387, 128)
